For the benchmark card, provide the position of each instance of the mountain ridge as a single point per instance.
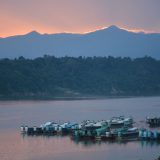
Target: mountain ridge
(111, 41)
(112, 27)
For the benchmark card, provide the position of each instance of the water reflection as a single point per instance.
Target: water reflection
(149, 143)
(65, 147)
(142, 143)
(19, 147)
(92, 142)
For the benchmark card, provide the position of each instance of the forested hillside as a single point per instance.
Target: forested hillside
(49, 77)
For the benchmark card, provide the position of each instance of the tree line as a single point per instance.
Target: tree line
(49, 77)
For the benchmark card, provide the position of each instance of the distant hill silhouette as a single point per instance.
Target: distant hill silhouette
(110, 41)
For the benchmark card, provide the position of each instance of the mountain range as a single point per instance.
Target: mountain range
(111, 41)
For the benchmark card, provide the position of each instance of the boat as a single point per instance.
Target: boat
(118, 122)
(145, 134)
(153, 122)
(129, 133)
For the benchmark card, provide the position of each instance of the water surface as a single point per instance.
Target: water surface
(16, 147)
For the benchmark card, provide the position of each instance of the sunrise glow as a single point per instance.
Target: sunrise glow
(18, 17)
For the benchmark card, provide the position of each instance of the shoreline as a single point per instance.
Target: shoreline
(75, 98)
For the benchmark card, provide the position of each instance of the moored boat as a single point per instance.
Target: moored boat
(153, 122)
(128, 133)
(118, 122)
(145, 134)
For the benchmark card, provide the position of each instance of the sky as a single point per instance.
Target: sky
(77, 16)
